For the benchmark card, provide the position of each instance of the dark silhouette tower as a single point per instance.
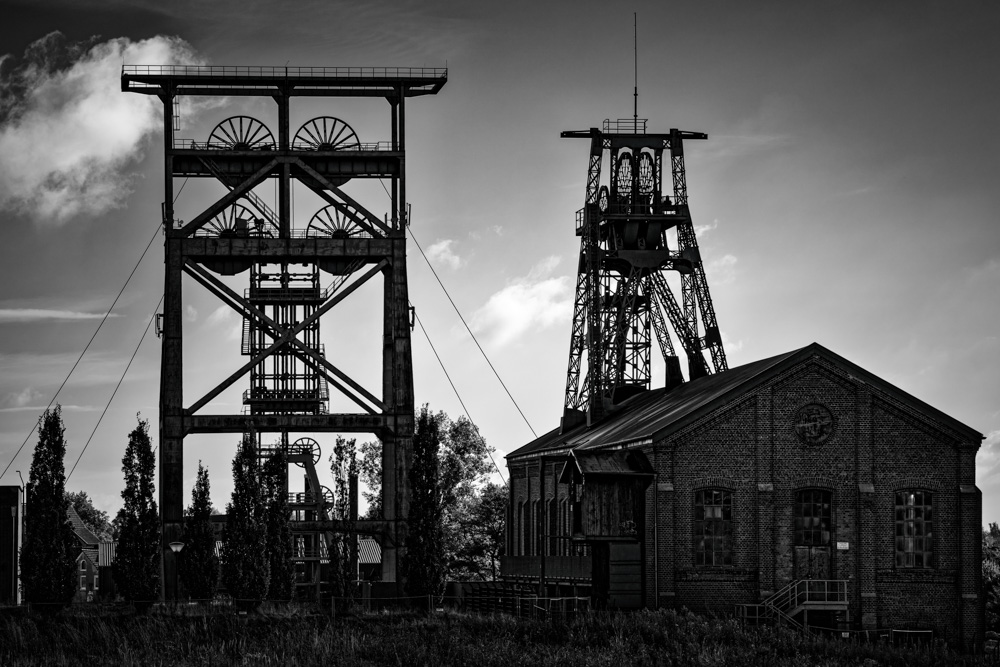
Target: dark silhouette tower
(635, 227)
(289, 372)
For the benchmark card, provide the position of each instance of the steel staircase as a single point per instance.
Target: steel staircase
(801, 595)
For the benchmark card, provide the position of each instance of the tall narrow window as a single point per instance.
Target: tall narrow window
(713, 527)
(813, 518)
(553, 516)
(914, 529)
(519, 546)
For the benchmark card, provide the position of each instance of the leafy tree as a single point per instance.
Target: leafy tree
(48, 554)
(370, 473)
(279, 530)
(137, 557)
(199, 566)
(423, 565)
(464, 467)
(245, 566)
(344, 467)
(481, 520)
(93, 518)
(991, 576)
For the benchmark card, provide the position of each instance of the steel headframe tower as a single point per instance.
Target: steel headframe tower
(626, 227)
(289, 372)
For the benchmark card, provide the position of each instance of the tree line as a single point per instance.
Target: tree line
(456, 518)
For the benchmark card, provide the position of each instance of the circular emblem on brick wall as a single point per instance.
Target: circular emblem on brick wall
(813, 424)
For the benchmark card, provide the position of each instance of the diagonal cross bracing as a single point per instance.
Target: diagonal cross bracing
(230, 198)
(286, 337)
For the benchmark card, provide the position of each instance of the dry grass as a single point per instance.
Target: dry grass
(291, 637)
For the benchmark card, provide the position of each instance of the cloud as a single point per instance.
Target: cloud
(190, 313)
(536, 301)
(67, 132)
(21, 399)
(24, 315)
(224, 316)
(721, 271)
(441, 253)
(701, 230)
(988, 457)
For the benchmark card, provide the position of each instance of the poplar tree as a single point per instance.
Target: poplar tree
(199, 566)
(137, 557)
(423, 565)
(279, 530)
(344, 468)
(245, 566)
(48, 553)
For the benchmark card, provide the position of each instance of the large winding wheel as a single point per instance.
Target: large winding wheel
(305, 447)
(336, 222)
(241, 133)
(326, 133)
(236, 221)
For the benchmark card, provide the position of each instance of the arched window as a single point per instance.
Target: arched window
(713, 527)
(914, 529)
(813, 518)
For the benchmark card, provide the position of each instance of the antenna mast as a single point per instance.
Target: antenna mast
(635, 71)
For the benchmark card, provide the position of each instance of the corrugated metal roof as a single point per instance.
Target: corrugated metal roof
(654, 414)
(614, 462)
(646, 414)
(369, 552)
(106, 553)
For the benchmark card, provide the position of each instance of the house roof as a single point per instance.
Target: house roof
(90, 553)
(83, 534)
(655, 414)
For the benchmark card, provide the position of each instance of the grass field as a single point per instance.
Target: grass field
(289, 637)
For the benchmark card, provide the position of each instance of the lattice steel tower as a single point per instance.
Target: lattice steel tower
(289, 372)
(634, 228)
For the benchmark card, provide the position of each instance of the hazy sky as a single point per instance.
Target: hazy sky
(847, 194)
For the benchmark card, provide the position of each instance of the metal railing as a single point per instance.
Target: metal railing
(809, 592)
(623, 125)
(195, 145)
(796, 596)
(263, 71)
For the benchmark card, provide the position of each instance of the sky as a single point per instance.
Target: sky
(847, 194)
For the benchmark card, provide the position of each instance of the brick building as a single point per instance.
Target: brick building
(801, 485)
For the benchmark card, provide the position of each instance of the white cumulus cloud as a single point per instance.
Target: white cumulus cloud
(67, 132)
(442, 253)
(988, 457)
(530, 303)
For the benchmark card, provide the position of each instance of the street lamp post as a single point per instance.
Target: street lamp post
(176, 548)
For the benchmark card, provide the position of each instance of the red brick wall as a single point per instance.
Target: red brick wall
(878, 445)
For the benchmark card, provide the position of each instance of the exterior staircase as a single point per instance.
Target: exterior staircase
(801, 595)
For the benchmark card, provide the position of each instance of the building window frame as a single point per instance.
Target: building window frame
(813, 517)
(712, 527)
(914, 529)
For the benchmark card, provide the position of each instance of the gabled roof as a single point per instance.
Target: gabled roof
(83, 534)
(89, 553)
(655, 414)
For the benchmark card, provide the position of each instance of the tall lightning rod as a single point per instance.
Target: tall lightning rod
(635, 72)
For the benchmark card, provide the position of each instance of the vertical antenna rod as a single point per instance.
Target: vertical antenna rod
(635, 71)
